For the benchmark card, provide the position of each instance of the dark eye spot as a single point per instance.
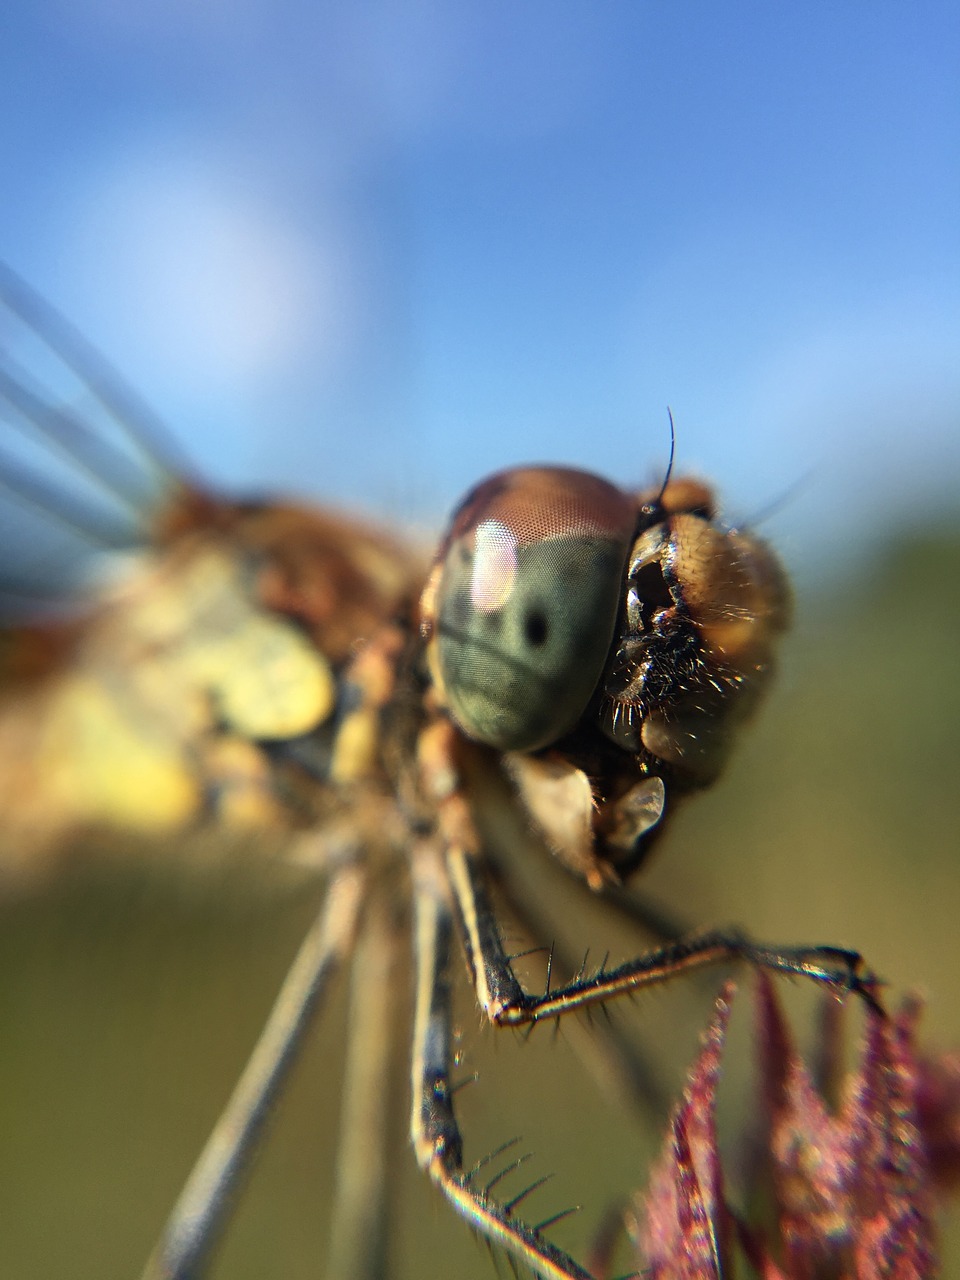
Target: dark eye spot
(535, 629)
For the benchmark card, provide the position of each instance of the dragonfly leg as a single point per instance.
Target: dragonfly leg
(506, 1003)
(204, 1204)
(623, 1070)
(358, 1236)
(434, 1130)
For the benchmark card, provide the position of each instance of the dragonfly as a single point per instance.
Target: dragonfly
(573, 661)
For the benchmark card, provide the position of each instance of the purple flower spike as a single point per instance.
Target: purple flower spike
(845, 1192)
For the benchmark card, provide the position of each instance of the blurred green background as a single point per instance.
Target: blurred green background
(131, 994)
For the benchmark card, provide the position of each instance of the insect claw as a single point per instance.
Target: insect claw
(865, 988)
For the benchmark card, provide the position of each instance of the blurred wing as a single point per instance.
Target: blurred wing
(158, 642)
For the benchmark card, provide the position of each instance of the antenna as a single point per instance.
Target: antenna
(655, 504)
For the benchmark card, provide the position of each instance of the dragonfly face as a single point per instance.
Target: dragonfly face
(271, 666)
(623, 638)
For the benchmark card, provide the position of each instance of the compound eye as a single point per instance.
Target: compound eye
(530, 579)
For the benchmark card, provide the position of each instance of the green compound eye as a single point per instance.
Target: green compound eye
(529, 587)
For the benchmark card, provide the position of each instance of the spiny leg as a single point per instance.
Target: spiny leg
(358, 1235)
(433, 1126)
(625, 1074)
(435, 1133)
(501, 996)
(505, 1002)
(204, 1203)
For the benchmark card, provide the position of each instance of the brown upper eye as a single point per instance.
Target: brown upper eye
(526, 602)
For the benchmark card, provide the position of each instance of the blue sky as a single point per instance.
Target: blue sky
(370, 252)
